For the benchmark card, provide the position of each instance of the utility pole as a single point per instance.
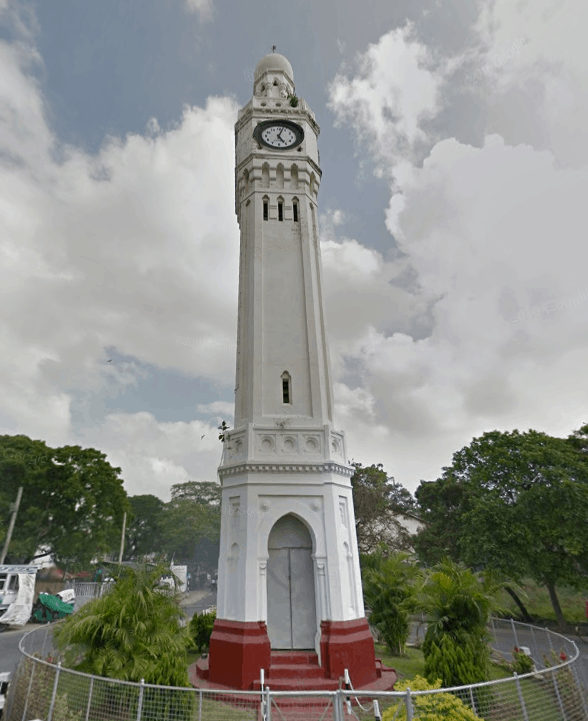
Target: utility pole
(11, 526)
(122, 538)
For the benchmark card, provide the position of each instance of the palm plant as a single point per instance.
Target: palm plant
(132, 633)
(389, 594)
(458, 604)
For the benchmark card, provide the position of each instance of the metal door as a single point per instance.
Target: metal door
(291, 611)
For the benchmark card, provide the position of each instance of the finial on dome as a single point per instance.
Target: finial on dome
(273, 48)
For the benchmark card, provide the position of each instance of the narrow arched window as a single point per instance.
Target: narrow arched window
(265, 207)
(294, 177)
(295, 210)
(280, 176)
(280, 209)
(286, 388)
(265, 178)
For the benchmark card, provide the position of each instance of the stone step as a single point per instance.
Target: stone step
(299, 684)
(295, 670)
(279, 658)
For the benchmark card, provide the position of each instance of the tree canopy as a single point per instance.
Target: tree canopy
(515, 502)
(378, 501)
(73, 500)
(186, 527)
(143, 534)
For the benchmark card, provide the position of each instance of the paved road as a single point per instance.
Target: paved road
(9, 653)
(194, 602)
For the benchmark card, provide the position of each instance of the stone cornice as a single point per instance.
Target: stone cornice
(259, 467)
(283, 156)
(282, 111)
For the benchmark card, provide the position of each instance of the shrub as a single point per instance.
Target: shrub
(133, 633)
(458, 604)
(429, 707)
(520, 664)
(201, 629)
(389, 594)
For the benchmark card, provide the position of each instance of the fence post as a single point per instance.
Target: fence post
(89, 698)
(561, 708)
(580, 687)
(408, 702)
(140, 704)
(494, 630)
(521, 699)
(54, 694)
(200, 705)
(337, 705)
(268, 705)
(45, 641)
(535, 647)
(474, 709)
(24, 712)
(514, 632)
(548, 632)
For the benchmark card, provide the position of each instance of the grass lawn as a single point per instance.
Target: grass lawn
(536, 599)
(413, 663)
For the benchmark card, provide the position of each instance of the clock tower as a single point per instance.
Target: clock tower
(289, 585)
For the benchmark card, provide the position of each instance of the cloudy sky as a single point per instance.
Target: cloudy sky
(455, 176)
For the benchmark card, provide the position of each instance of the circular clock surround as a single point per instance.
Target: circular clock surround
(279, 134)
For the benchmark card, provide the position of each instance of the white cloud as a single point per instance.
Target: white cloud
(132, 249)
(154, 455)
(202, 7)
(218, 409)
(491, 237)
(394, 91)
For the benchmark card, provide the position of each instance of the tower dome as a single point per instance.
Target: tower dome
(277, 63)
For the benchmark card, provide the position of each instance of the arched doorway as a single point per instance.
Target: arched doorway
(291, 610)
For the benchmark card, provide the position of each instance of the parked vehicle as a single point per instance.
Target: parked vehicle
(17, 590)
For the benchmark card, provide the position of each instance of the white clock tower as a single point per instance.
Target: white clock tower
(289, 577)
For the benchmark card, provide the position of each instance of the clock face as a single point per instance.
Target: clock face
(279, 134)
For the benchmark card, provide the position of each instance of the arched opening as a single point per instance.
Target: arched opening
(286, 387)
(280, 208)
(294, 177)
(265, 207)
(291, 608)
(265, 180)
(280, 176)
(295, 213)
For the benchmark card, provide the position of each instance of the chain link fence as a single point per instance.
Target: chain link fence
(42, 689)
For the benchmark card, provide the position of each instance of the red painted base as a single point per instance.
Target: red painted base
(239, 650)
(349, 645)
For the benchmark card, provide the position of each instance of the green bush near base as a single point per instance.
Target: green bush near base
(429, 707)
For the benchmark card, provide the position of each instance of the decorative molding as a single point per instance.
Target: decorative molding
(313, 468)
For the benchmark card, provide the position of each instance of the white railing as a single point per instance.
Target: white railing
(41, 688)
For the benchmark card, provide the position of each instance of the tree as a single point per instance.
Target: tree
(458, 605)
(206, 493)
(520, 503)
(132, 633)
(143, 534)
(193, 514)
(73, 500)
(389, 594)
(378, 501)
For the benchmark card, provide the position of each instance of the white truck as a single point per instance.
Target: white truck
(17, 592)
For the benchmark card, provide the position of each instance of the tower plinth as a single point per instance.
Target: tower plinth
(289, 584)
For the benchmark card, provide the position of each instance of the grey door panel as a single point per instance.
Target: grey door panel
(279, 626)
(302, 595)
